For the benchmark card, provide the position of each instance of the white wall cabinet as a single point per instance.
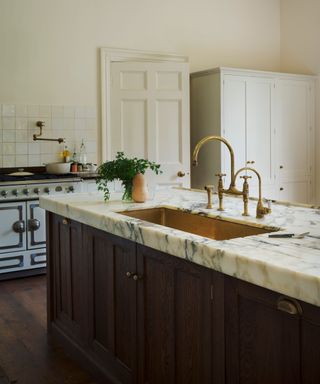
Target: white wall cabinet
(269, 120)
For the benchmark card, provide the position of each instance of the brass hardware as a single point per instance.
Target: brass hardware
(250, 162)
(211, 227)
(209, 189)
(232, 190)
(65, 221)
(281, 167)
(36, 136)
(281, 189)
(261, 210)
(245, 190)
(129, 274)
(33, 224)
(18, 226)
(289, 305)
(220, 190)
(181, 174)
(137, 277)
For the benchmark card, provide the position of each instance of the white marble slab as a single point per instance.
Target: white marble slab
(289, 266)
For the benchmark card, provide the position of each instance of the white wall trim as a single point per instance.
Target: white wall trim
(109, 55)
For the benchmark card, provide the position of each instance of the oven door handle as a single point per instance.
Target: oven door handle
(19, 226)
(33, 224)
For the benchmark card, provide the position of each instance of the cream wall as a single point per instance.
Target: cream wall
(49, 48)
(300, 49)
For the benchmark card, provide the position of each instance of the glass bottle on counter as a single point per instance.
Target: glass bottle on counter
(83, 153)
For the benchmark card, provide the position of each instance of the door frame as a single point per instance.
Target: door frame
(109, 55)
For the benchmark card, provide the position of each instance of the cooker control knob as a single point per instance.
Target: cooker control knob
(26, 191)
(15, 192)
(36, 190)
(47, 190)
(4, 193)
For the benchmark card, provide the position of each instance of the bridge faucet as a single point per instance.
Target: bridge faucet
(261, 210)
(232, 190)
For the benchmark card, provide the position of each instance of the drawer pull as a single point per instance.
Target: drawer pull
(18, 226)
(137, 277)
(65, 221)
(129, 274)
(290, 306)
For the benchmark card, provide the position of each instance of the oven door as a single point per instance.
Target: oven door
(36, 220)
(12, 227)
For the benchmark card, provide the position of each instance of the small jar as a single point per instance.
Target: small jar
(80, 167)
(74, 167)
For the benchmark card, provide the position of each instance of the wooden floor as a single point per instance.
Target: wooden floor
(27, 354)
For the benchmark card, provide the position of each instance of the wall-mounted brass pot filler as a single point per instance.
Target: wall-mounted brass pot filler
(36, 136)
(232, 190)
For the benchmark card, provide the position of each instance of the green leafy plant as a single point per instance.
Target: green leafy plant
(123, 169)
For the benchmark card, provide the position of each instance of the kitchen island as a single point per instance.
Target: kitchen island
(237, 310)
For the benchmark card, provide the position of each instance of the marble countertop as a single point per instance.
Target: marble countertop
(289, 266)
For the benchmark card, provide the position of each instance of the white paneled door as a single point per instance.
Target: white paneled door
(149, 117)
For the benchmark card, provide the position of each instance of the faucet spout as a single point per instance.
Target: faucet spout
(224, 141)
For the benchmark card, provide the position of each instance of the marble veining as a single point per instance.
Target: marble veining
(289, 266)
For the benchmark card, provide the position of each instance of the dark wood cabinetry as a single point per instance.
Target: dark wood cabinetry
(68, 276)
(175, 306)
(269, 338)
(136, 315)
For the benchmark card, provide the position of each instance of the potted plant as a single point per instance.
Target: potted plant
(124, 169)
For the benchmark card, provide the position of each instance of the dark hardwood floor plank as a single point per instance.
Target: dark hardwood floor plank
(27, 353)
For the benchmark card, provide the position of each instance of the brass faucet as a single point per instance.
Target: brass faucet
(232, 190)
(261, 210)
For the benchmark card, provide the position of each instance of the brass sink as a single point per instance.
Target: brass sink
(213, 228)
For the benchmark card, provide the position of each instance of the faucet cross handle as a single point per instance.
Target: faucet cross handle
(245, 194)
(245, 177)
(221, 174)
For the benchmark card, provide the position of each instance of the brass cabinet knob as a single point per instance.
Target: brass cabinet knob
(290, 306)
(281, 167)
(281, 189)
(250, 162)
(137, 277)
(65, 221)
(129, 274)
(181, 174)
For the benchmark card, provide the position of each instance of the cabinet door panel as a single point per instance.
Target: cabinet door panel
(69, 277)
(234, 122)
(293, 133)
(112, 303)
(174, 320)
(310, 341)
(259, 131)
(262, 343)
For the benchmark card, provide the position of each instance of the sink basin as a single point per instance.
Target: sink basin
(213, 228)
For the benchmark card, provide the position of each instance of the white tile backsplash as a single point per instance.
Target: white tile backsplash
(8, 110)
(18, 124)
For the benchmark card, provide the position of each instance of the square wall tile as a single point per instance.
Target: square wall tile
(69, 112)
(21, 123)
(44, 110)
(21, 110)
(8, 149)
(8, 110)
(22, 136)
(33, 148)
(21, 160)
(9, 161)
(57, 111)
(34, 160)
(8, 123)
(21, 148)
(79, 124)
(33, 110)
(9, 136)
(80, 112)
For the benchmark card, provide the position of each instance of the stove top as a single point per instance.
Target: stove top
(37, 176)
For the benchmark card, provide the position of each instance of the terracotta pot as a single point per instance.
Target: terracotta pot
(139, 188)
